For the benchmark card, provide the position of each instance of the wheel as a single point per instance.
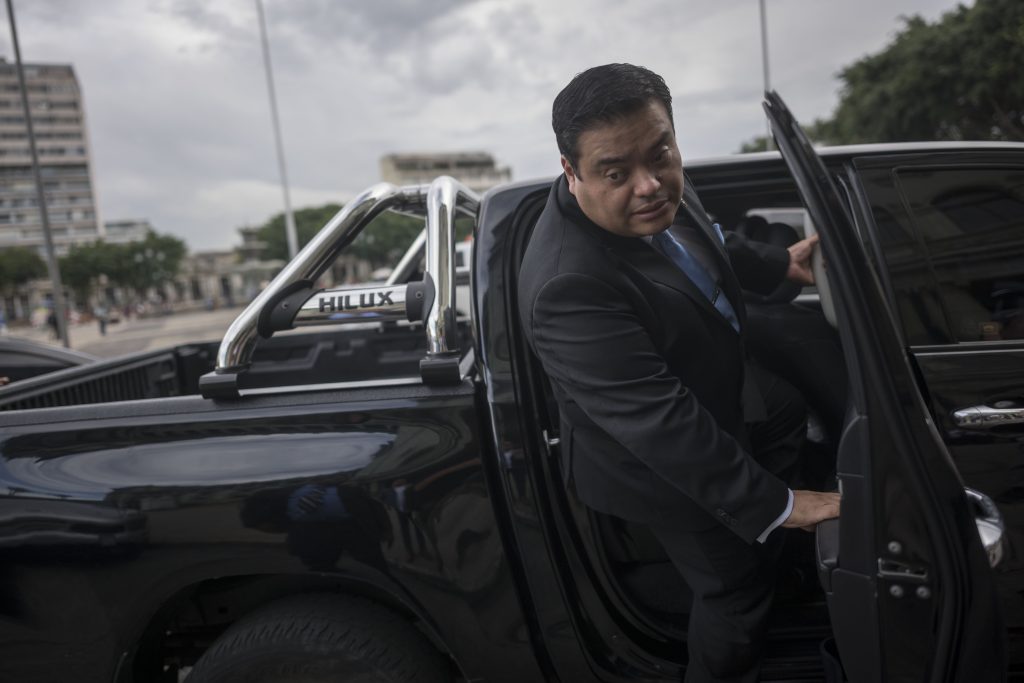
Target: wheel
(321, 638)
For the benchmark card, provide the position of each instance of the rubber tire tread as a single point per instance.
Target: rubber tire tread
(339, 634)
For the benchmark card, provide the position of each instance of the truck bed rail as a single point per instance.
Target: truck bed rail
(290, 300)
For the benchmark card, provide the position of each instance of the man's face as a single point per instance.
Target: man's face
(629, 178)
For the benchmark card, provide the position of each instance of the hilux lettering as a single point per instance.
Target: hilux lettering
(345, 302)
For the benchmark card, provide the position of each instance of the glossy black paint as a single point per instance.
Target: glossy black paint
(104, 520)
(913, 506)
(990, 461)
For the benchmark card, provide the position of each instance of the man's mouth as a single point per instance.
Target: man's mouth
(651, 209)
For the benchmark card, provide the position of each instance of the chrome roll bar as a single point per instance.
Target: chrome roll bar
(444, 195)
(289, 300)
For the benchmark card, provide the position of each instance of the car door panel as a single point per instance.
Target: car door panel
(951, 229)
(912, 597)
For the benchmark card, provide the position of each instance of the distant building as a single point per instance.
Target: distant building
(58, 120)
(126, 231)
(476, 170)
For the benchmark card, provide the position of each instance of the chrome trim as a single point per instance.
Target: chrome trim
(987, 417)
(405, 268)
(443, 196)
(973, 348)
(353, 305)
(991, 527)
(440, 202)
(333, 386)
(239, 341)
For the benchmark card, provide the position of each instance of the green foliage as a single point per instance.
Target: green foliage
(85, 263)
(958, 78)
(136, 265)
(818, 132)
(381, 243)
(151, 262)
(755, 144)
(18, 265)
(308, 222)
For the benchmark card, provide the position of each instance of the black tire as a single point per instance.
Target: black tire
(321, 638)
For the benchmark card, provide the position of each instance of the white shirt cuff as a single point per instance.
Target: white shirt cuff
(778, 520)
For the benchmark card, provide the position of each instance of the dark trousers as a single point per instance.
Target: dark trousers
(732, 581)
(800, 344)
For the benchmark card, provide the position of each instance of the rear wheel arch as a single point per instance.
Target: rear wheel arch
(191, 619)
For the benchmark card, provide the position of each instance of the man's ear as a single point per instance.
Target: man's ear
(570, 174)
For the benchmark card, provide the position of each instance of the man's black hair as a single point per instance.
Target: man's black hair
(601, 95)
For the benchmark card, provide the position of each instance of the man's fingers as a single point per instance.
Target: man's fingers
(800, 261)
(811, 507)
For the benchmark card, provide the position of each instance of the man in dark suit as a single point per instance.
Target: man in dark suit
(641, 335)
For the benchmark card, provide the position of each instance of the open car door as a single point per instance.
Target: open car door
(911, 595)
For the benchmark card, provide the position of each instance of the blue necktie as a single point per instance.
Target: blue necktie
(698, 274)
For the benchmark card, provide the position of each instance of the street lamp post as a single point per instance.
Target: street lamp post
(51, 257)
(289, 219)
(764, 65)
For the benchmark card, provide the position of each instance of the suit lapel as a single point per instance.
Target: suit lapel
(656, 266)
(693, 213)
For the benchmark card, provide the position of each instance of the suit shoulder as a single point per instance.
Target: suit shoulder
(557, 245)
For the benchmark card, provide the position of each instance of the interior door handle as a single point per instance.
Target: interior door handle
(991, 527)
(988, 417)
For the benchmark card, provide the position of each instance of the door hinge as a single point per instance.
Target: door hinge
(898, 572)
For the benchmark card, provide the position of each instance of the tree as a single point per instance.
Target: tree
(136, 265)
(86, 263)
(150, 263)
(308, 222)
(381, 243)
(955, 79)
(818, 132)
(18, 265)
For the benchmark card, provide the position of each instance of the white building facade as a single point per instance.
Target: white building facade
(58, 120)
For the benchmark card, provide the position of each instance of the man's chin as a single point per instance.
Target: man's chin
(653, 224)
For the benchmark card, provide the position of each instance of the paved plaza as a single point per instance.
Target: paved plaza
(139, 334)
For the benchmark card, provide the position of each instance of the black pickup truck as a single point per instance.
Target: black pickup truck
(379, 499)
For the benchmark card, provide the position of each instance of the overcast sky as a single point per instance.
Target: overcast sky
(179, 120)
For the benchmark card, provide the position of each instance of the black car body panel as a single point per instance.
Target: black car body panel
(908, 495)
(382, 487)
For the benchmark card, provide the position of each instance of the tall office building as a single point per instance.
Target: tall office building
(58, 121)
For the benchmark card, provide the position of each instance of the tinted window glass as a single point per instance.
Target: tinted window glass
(913, 289)
(971, 222)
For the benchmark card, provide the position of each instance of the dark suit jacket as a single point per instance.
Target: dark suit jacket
(648, 375)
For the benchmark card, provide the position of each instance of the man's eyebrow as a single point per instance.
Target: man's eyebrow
(609, 161)
(664, 139)
(612, 161)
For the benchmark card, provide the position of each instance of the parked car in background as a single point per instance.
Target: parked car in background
(24, 358)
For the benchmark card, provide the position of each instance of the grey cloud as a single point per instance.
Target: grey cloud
(383, 26)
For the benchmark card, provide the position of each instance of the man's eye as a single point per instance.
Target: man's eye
(614, 176)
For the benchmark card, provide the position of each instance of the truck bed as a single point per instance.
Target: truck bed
(303, 358)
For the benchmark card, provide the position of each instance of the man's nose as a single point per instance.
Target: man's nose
(647, 183)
